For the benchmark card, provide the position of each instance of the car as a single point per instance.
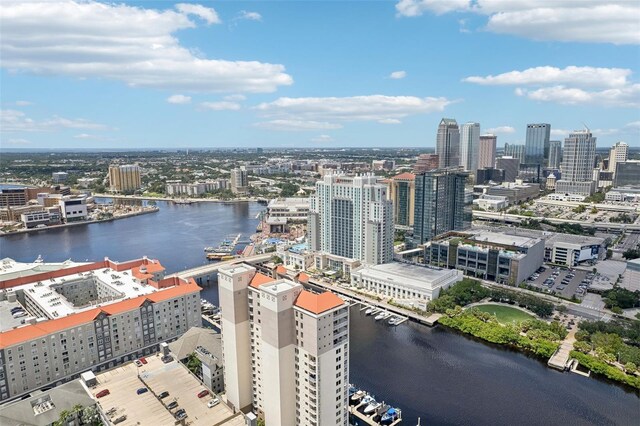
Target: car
(167, 358)
(203, 393)
(172, 405)
(103, 392)
(143, 360)
(163, 395)
(120, 419)
(142, 390)
(213, 403)
(138, 363)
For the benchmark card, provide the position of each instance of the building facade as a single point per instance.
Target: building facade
(285, 349)
(511, 167)
(487, 151)
(537, 143)
(125, 178)
(515, 151)
(239, 180)
(627, 174)
(350, 216)
(469, 146)
(426, 162)
(577, 164)
(448, 143)
(619, 153)
(439, 204)
(555, 154)
(402, 191)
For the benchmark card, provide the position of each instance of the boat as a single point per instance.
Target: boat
(352, 390)
(209, 249)
(394, 321)
(372, 407)
(390, 416)
(183, 201)
(369, 311)
(357, 396)
(381, 315)
(367, 400)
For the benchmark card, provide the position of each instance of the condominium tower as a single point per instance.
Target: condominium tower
(448, 143)
(619, 153)
(285, 349)
(439, 203)
(537, 143)
(487, 151)
(577, 164)
(555, 154)
(402, 190)
(469, 146)
(124, 178)
(515, 151)
(239, 180)
(350, 216)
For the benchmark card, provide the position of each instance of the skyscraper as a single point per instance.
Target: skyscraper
(285, 349)
(469, 146)
(515, 151)
(124, 178)
(577, 164)
(537, 143)
(510, 166)
(487, 151)
(239, 180)
(439, 203)
(555, 154)
(351, 217)
(402, 190)
(448, 143)
(619, 153)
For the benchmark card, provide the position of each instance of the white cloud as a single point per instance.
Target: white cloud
(250, 16)
(296, 125)
(221, 106)
(332, 110)
(601, 21)
(17, 121)
(18, 142)
(322, 139)
(578, 76)
(634, 125)
(397, 75)
(628, 96)
(179, 99)
(389, 121)
(87, 39)
(235, 98)
(23, 103)
(209, 15)
(501, 129)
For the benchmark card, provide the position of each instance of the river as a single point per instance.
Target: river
(432, 373)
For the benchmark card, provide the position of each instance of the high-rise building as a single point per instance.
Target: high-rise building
(511, 167)
(285, 349)
(627, 174)
(619, 153)
(487, 151)
(125, 178)
(439, 203)
(577, 164)
(239, 180)
(537, 143)
(426, 162)
(350, 216)
(469, 146)
(555, 154)
(515, 151)
(448, 143)
(402, 191)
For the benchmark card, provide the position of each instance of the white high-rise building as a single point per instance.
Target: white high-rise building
(577, 164)
(619, 153)
(469, 145)
(285, 349)
(487, 151)
(350, 216)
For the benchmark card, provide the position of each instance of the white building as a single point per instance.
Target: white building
(291, 209)
(469, 145)
(404, 281)
(350, 216)
(628, 194)
(91, 316)
(619, 153)
(631, 278)
(492, 202)
(571, 250)
(195, 189)
(73, 208)
(239, 180)
(296, 343)
(577, 164)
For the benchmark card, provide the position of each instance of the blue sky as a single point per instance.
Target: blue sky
(313, 74)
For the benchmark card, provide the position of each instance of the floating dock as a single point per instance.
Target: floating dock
(368, 419)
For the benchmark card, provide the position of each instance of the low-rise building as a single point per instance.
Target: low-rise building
(404, 281)
(571, 250)
(290, 209)
(627, 193)
(494, 256)
(492, 202)
(386, 165)
(573, 198)
(631, 277)
(73, 208)
(59, 177)
(296, 257)
(48, 216)
(516, 192)
(334, 265)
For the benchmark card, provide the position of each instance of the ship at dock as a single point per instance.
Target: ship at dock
(224, 251)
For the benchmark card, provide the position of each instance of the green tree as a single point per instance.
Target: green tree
(630, 368)
(194, 364)
(583, 347)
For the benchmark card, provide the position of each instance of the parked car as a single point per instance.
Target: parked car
(103, 392)
(167, 358)
(203, 393)
(213, 402)
(172, 405)
(163, 395)
(120, 419)
(142, 390)
(143, 360)
(138, 363)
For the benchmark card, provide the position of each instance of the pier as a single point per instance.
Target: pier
(357, 411)
(560, 359)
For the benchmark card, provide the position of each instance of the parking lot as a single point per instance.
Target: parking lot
(148, 408)
(564, 282)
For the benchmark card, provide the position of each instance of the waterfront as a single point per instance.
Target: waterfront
(441, 376)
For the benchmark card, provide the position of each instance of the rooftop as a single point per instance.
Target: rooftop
(318, 303)
(302, 202)
(10, 269)
(260, 279)
(505, 239)
(405, 176)
(409, 275)
(280, 286)
(196, 338)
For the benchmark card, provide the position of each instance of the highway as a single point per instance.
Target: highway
(514, 218)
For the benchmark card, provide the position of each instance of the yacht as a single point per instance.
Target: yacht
(381, 315)
(390, 416)
(357, 396)
(369, 311)
(372, 407)
(367, 400)
(394, 321)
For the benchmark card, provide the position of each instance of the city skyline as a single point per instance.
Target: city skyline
(221, 74)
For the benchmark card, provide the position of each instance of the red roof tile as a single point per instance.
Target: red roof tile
(303, 278)
(260, 279)
(405, 176)
(318, 303)
(281, 270)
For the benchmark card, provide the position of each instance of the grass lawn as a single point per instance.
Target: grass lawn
(505, 314)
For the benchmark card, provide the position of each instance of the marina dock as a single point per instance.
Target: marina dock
(375, 417)
(560, 359)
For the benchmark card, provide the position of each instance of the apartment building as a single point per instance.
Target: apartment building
(239, 180)
(92, 316)
(124, 178)
(402, 192)
(285, 349)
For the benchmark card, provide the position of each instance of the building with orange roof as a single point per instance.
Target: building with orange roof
(402, 192)
(296, 343)
(89, 317)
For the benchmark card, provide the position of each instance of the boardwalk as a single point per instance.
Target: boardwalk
(560, 359)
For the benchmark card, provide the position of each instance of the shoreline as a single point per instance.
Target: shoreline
(85, 222)
(169, 199)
